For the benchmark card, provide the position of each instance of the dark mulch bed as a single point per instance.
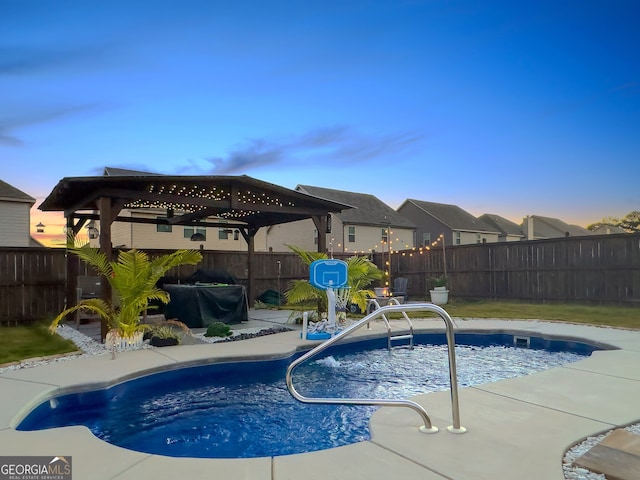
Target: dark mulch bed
(261, 333)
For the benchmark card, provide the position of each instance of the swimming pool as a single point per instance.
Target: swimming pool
(243, 409)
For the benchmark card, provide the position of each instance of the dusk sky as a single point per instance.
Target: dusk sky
(507, 107)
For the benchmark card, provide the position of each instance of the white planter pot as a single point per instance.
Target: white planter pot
(123, 343)
(439, 297)
(439, 288)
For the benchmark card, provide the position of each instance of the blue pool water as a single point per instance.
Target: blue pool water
(243, 409)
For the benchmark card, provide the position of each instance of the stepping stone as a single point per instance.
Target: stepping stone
(617, 456)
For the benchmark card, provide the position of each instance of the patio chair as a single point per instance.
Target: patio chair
(89, 286)
(400, 287)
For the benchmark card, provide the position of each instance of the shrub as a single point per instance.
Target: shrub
(218, 329)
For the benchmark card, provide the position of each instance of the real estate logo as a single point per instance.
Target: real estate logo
(35, 468)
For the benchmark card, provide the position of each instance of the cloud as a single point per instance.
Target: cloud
(21, 60)
(329, 144)
(7, 125)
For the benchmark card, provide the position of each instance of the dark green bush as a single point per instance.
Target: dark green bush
(218, 329)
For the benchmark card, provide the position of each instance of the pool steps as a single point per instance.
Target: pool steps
(380, 313)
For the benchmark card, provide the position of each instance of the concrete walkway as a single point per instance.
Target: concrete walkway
(517, 428)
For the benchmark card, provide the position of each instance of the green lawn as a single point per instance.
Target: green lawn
(19, 343)
(622, 317)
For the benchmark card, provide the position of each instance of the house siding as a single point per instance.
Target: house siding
(300, 234)
(369, 239)
(425, 223)
(145, 236)
(14, 221)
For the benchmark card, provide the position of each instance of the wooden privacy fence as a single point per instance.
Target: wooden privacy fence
(595, 269)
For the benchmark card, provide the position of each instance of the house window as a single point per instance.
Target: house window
(190, 231)
(315, 236)
(457, 237)
(384, 235)
(163, 227)
(223, 233)
(478, 239)
(352, 234)
(426, 239)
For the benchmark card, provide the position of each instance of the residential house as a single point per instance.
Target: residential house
(370, 226)
(15, 217)
(509, 231)
(456, 225)
(608, 230)
(536, 227)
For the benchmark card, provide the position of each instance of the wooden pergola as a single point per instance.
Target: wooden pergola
(241, 202)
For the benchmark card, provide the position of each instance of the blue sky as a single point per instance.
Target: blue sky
(505, 107)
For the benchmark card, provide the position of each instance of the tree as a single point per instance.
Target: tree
(630, 223)
(133, 278)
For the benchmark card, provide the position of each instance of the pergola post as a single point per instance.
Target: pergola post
(72, 266)
(321, 222)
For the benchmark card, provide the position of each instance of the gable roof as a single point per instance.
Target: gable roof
(504, 226)
(608, 229)
(368, 209)
(452, 216)
(12, 194)
(548, 227)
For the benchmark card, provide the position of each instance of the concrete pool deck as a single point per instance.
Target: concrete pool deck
(517, 428)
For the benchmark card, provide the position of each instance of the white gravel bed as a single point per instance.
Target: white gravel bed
(577, 473)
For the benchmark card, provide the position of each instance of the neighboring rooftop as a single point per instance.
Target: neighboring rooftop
(452, 216)
(120, 172)
(501, 224)
(12, 194)
(548, 227)
(368, 209)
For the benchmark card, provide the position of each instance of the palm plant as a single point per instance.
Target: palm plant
(361, 272)
(133, 278)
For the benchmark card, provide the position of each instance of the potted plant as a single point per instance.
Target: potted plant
(163, 336)
(133, 278)
(439, 294)
(440, 283)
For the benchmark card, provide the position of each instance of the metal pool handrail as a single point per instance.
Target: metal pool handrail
(453, 377)
(390, 337)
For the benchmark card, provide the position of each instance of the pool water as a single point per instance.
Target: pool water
(243, 409)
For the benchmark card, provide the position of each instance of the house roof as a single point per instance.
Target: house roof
(548, 227)
(12, 194)
(608, 229)
(233, 198)
(504, 226)
(368, 209)
(452, 216)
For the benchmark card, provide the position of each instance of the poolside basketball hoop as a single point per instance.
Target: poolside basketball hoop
(328, 274)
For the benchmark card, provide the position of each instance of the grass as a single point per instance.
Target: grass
(609, 316)
(19, 343)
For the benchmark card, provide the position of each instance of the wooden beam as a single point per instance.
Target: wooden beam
(72, 267)
(249, 235)
(321, 223)
(106, 216)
